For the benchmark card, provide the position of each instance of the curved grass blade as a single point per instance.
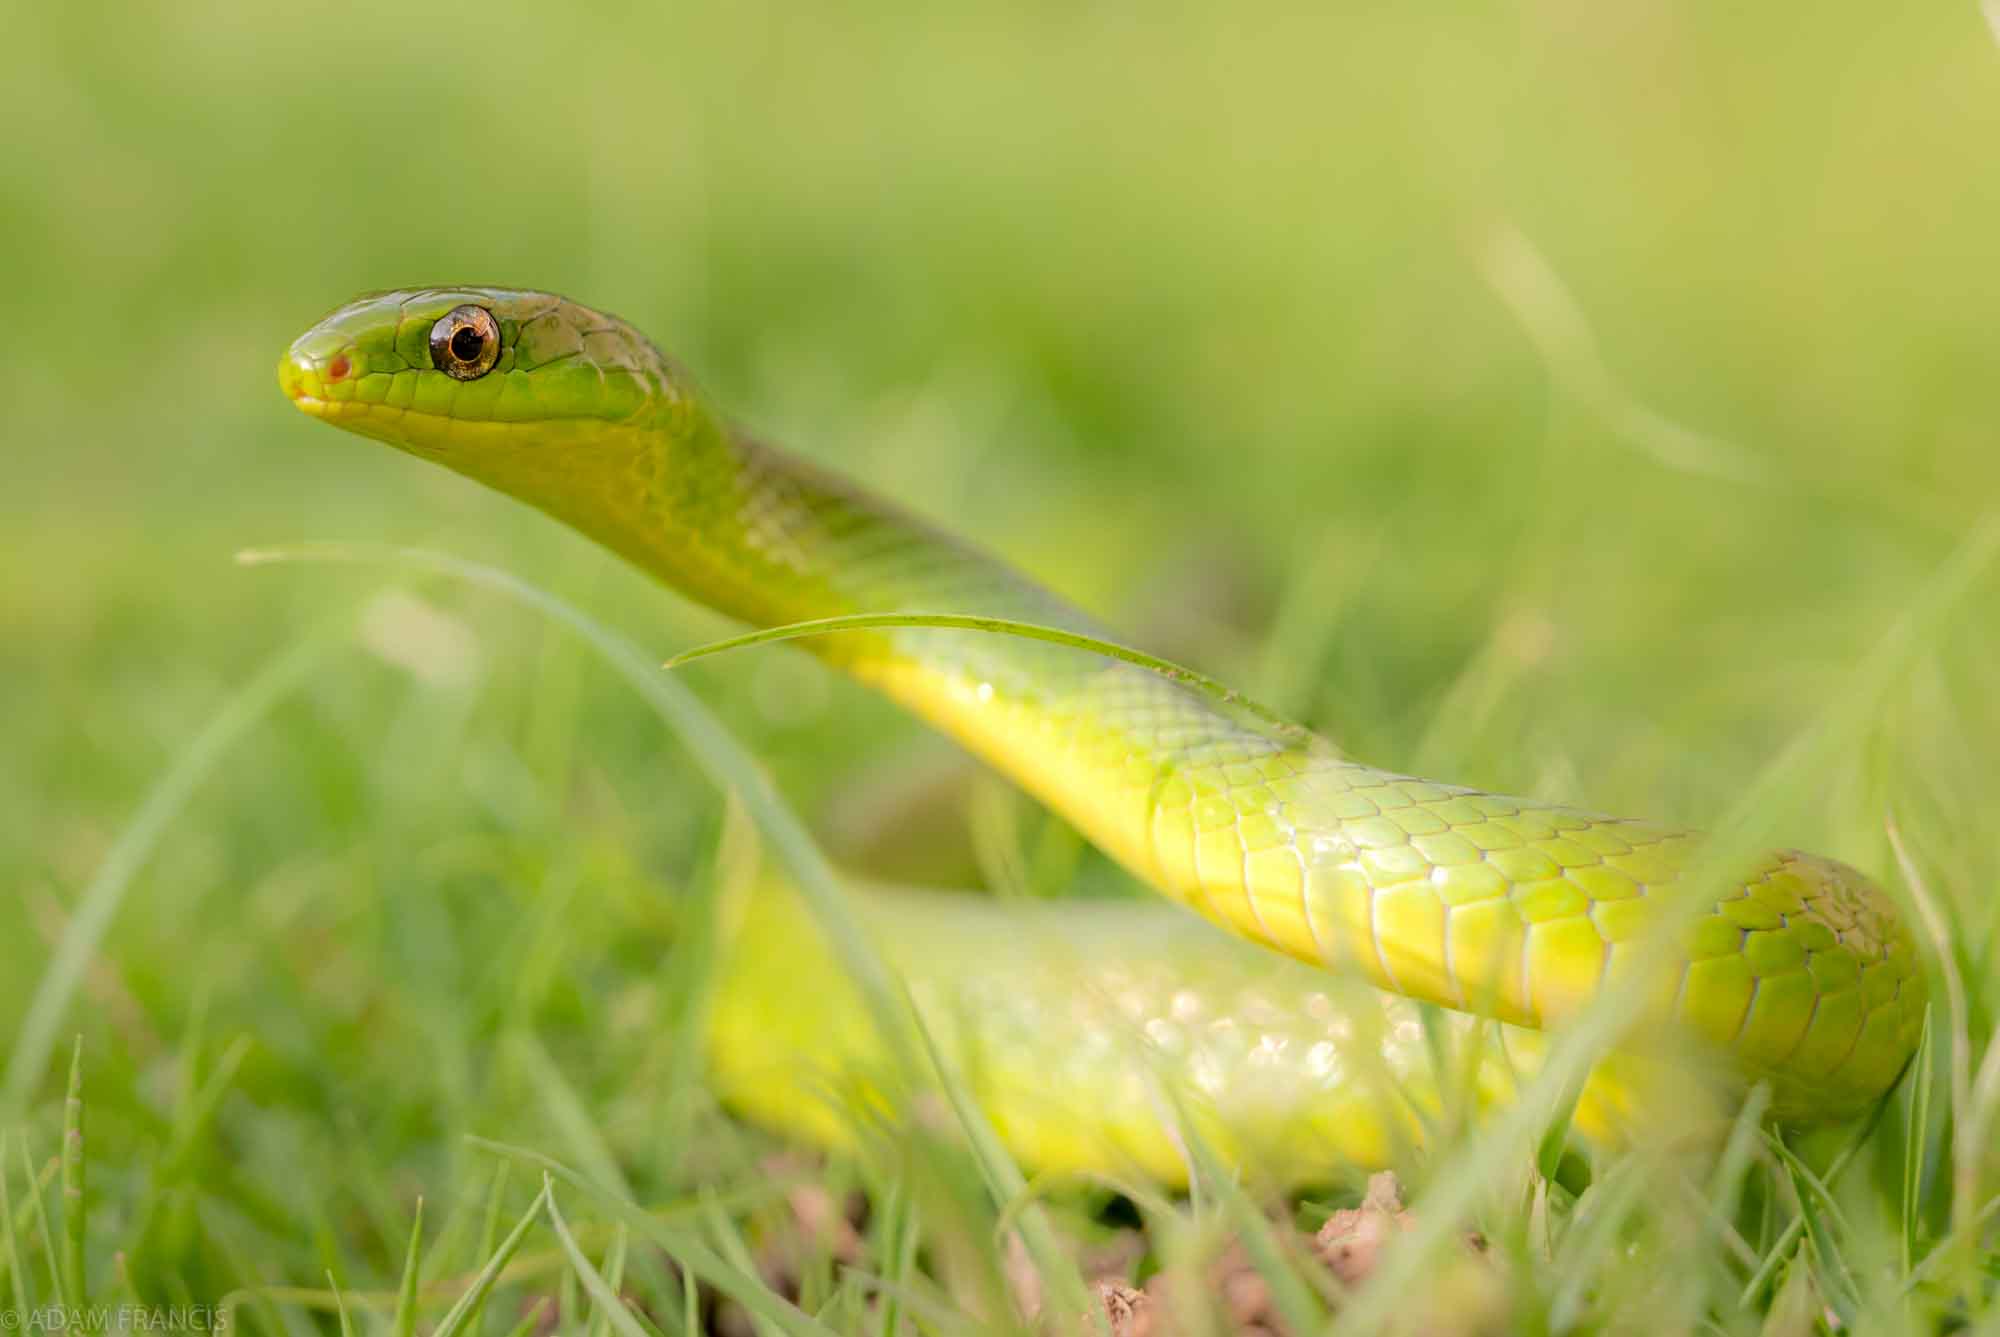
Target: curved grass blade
(340, 1303)
(72, 1179)
(603, 1294)
(1001, 626)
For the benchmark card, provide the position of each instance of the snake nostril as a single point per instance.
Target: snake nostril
(337, 369)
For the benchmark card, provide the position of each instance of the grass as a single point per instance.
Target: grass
(1578, 403)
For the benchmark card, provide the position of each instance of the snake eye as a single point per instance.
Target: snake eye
(465, 343)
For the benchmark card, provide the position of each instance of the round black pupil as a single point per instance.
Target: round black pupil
(466, 343)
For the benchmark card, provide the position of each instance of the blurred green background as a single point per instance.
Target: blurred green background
(1559, 398)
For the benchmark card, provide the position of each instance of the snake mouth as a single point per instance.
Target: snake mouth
(309, 380)
(330, 410)
(304, 380)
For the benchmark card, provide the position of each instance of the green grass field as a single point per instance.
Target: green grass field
(1590, 401)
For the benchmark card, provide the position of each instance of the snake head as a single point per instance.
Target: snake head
(442, 371)
(563, 407)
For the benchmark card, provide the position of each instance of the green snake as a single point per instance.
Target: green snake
(1087, 1030)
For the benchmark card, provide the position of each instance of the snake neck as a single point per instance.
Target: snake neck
(768, 538)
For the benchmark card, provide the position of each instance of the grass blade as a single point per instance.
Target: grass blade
(468, 1304)
(1554, 1141)
(1836, 1282)
(39, 1214)
(489, 1234)
(729, 1243)
(567, 1112)
(1916, 1137)
(1293, 1299)
(72, 1180)
(531, 1321)
(21, 1286)
(197, 1108)
(406, 1295)
(602, 1293)
(614, 1278)
(1958, 1037)
(340, 1304)
(1031, 631)
(1006, 1184)
(897, 1242)
(1789, 1237)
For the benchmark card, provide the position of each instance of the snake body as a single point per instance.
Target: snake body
(1799, 973)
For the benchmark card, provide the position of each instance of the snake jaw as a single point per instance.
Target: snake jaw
(304, 385)
(308, 387)
(322, 373)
